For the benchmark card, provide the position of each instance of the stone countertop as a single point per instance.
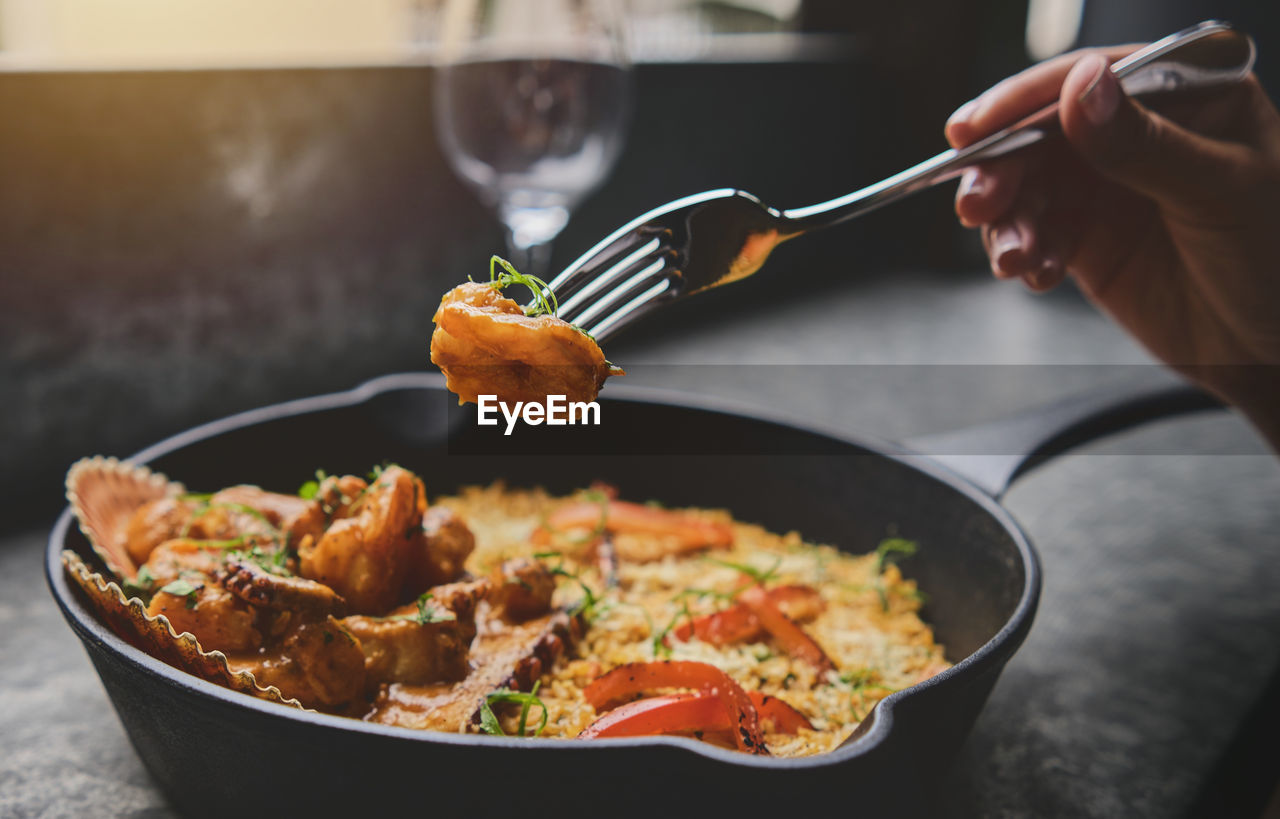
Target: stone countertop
(1158, 627)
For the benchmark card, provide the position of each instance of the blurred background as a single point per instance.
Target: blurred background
(211, 205)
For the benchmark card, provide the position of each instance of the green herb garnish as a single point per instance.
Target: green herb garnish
(761, 577)
(589, 606)
(275, 562)
(489, 721)
(544, 301)
(310, 489)
(890, 549)
(428, 612)
(183, 588)
(660, 639)
(141, 584)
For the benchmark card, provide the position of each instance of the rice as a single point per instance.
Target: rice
(870, 625)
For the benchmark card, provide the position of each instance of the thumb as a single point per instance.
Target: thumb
(1137, 147)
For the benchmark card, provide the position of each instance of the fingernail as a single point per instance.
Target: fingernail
(1101, 97)
(1006, 239)
(963, 113)
(971, 184)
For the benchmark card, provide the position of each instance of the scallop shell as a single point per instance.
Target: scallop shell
(104, 493)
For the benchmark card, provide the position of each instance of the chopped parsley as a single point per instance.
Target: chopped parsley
(183, 588)
(141, 584)
(275, 562)
(428, 612)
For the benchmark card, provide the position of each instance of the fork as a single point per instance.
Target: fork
(722, 236)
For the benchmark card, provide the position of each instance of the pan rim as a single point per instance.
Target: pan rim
(1014, 630)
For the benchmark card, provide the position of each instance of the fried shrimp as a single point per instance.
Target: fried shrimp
(364, 557)
(487, 345)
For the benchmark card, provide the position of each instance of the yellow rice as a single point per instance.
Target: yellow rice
(870, 626)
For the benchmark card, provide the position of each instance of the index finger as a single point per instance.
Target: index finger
(1015, 97)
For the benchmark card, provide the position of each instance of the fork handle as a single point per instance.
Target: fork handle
(1206, 55)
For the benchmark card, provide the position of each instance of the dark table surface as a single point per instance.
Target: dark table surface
(1159, 626)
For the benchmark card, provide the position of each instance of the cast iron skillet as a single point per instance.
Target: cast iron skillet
(214, 751)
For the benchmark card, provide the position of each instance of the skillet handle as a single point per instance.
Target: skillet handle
(993, 455)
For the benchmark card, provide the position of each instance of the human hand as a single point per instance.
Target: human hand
(1170, 224)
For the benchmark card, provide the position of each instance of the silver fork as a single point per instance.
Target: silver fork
(722, 236)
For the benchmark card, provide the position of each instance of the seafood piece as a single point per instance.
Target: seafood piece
(217, 618)
(180, 557)
(295, 516)
(421, 643)
(364, 557)
(437, 551)
(266, 589)
(522, 589)
(503, 656)
(155, 523)
(338, 494)
(486, 345)
(220, 518)
(320, 663)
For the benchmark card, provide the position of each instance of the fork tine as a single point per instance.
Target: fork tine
(630, 311)
(572, 304)
(604, 255)
(624, 290)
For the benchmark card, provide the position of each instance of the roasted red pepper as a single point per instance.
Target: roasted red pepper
(738, 623)
(628, 681)
(623, 516)
(784, 630)
(690, 714)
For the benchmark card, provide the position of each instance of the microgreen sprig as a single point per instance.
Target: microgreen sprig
(544, 301)
(759, 576)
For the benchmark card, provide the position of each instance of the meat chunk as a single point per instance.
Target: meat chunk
(404, 648)
(320, 663)
(364, 557)
(522, 589)
(504, 655)
(437, 551)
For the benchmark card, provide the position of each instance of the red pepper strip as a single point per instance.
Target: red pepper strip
(790, 636)
(737, 623)
(689, 714)
(785, 718)
(627, 681)
(623, 516)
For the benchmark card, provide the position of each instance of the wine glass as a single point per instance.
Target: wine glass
(531, 100)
